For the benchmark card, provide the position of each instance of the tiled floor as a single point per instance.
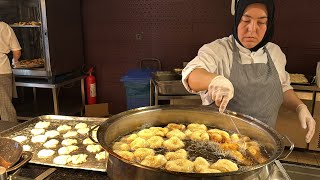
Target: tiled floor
(303, 156)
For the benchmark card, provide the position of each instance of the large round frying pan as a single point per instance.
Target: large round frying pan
(11, 152)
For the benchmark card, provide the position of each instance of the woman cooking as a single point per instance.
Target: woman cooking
(245, 71)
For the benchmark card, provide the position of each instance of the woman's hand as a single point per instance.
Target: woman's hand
(221, 91)
(306, 121)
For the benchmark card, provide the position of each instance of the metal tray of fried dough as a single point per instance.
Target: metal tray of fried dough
(24, 129)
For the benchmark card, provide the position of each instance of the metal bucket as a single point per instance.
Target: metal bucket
(128, 121)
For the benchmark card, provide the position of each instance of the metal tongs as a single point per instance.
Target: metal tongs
(226, 112)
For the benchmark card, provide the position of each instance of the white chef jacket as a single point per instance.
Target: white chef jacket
(216, 57)
(8, 42)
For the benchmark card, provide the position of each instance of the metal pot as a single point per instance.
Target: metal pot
(126, 122)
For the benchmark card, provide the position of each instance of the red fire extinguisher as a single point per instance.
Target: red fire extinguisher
(91, 88)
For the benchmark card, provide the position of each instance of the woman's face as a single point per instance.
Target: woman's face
(253, 25)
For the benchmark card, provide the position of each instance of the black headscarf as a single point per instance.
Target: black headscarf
(239, 9)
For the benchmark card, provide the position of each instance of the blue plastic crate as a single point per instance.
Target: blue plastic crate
(137, 84)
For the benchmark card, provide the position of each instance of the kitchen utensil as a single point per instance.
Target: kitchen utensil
(135, 119)
(235, 126)
(10, 152)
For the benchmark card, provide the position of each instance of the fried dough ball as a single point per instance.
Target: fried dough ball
(216, 137)
(176, 133)
(125, 155)
(200, 164)
(179, 154)
(102, 155)
(78, 158)
(180, 165)
(173, 143)
(120, 146)
(129, 138)
(138, 143)
(229, 146)
(145, 133)
(155, 142)
(199, 136)
(225, 165)
(255, 153)
(240, 158)
(141, 153)
(225, 135)
(197, 127)
(156, 161)
(67, 149)
(83, 131)
(159, 131)
(238, 137)
(172, 126)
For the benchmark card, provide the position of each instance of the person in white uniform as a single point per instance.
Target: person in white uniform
(8, 42)
(245, 72)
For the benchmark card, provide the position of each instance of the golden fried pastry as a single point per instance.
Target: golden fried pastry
(70, 134)
(141, 153)
(62, 159)
(87, 141)
(39, 139)
(173, 143)
(20, 139)
(67, 149)
(240, 158)
(176, 133)
(83, 130)
(125, 155)
(45, 153)
(52, 134)
(200, 164)
(199, 136)
(197, 127)
(94, 148)
(64, 128)
(42, 125)
(79, 158)
(68, 142)
(155, 142)
(159, 131)
(255, 153)
(102, 155)
(238, 137)
(172, 126)
(225, 165)
(209, 170)
(229, 146)
(138, 143)
(26, 148)
(179, 154)
(213, 135)
(81, 125)
(52, 143)
(120, 146)
(180, 165)
(37, 131)
(129, 138)
(146, 133)
(156, 161)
